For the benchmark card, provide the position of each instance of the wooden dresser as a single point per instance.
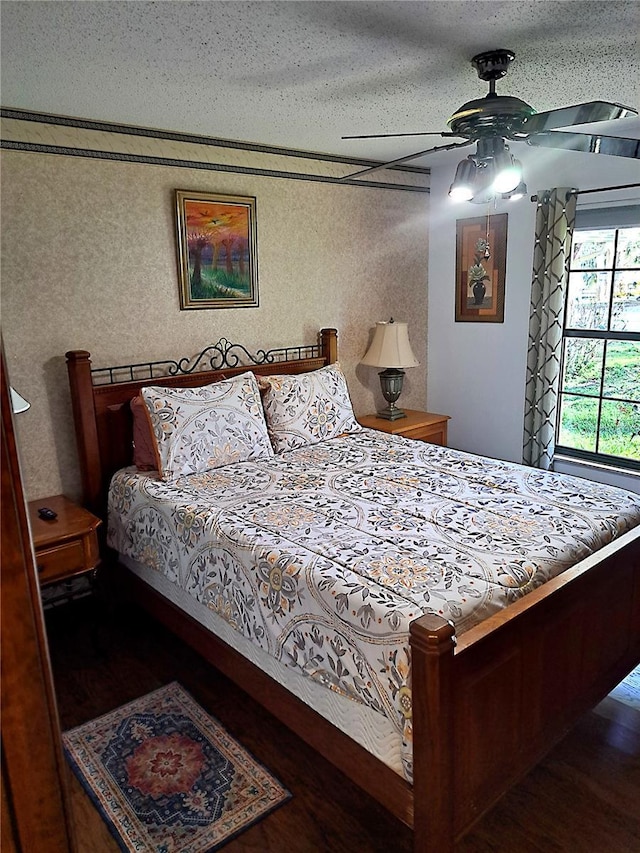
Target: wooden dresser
(35, 812)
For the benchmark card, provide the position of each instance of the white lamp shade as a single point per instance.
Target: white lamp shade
(18, 403)
(390, 347)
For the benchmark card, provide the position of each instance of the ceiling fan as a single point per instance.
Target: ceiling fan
(494, 119)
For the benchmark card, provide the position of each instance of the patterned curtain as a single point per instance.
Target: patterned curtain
(555, 218)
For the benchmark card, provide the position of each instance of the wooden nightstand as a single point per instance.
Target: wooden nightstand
(424, 426)
(66, 546)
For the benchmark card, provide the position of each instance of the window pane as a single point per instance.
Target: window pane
(588, 300)
(593, 249)
(582, 368)
(578, 422)
(622, 370)
(620, 430)
(628, 247)
(600, 384)
(625, 315)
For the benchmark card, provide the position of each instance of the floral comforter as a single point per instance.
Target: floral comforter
(323, 555)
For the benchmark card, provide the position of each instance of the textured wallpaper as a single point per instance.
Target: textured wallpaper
(89, 262)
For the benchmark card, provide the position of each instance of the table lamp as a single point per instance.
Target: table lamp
(390, 348)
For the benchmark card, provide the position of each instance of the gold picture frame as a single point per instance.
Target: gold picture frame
(481, 260)
(217, 250)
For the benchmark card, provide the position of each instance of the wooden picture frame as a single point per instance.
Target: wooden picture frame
(480, 281)
(217, 250)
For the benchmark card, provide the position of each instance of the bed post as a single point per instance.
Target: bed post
(84, 419)
(432, 642)
(329, 343)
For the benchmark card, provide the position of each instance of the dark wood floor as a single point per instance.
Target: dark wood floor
(584, 797)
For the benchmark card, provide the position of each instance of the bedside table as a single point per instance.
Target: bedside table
(66, 546)
(423, 426)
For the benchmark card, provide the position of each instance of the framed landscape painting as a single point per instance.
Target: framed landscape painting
(481, 260)
(217, 250)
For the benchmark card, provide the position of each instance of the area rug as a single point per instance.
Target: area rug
(628, 691)
(167, 777)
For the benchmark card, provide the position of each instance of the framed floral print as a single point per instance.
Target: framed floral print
(217, 250)
(481, 255)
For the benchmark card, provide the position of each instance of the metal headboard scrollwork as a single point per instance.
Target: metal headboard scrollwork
(215, 357)
(101, 396)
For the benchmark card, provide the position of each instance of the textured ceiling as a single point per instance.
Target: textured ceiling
(302, 74)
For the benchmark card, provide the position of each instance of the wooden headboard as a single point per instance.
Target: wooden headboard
(100, 397)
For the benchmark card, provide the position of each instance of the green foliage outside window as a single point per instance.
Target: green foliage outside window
(600, 383)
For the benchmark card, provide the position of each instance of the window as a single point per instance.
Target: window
(600, 370)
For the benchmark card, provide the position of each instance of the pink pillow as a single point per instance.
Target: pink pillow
(144, 445)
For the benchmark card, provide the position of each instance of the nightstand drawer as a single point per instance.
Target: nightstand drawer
(67, 544)
(421, 426)
(61, 561)
(432, 436)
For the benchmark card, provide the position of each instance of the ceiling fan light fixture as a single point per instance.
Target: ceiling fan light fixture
(485, 176)
(462, 188)
(519, 192)
(508, 173)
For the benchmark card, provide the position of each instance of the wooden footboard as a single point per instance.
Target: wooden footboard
(488, 708)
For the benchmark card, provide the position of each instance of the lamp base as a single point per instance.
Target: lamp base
(391, 413)
(391, 385)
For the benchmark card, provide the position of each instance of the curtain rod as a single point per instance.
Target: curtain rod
(596, 190)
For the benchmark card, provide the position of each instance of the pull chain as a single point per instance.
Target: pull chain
(487, 247)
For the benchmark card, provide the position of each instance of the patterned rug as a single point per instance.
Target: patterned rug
(167, 778)
(628, 691)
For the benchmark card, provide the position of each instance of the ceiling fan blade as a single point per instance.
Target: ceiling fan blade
(577, 114)
(616, 146)
(406, 159)
(388, 135)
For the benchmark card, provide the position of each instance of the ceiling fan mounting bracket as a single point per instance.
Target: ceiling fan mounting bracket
(493, 115)
(493, 64)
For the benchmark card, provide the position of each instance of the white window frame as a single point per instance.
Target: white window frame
(592, 220)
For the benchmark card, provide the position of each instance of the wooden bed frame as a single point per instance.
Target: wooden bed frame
(487, 706)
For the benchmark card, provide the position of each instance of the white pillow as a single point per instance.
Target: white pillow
(197, 429)
(307, 408)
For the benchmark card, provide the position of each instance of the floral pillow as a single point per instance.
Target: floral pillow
(197, 429)
(308, 408)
